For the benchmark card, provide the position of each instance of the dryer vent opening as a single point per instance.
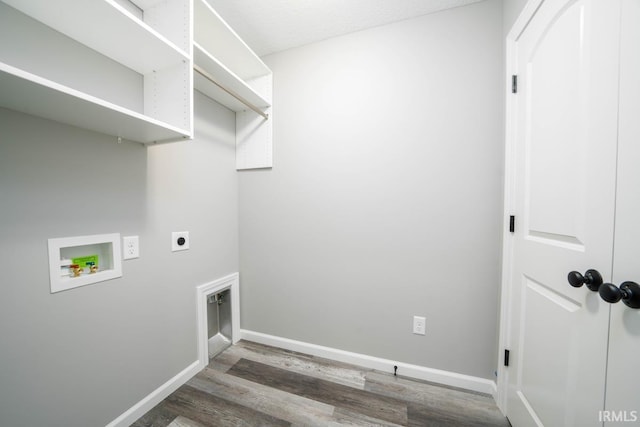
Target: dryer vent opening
(218, 321)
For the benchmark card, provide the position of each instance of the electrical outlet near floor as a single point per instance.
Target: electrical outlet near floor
(130, 247)
(419, 325)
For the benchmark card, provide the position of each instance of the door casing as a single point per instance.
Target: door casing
(511, 69)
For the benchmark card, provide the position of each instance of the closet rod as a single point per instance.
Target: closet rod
(209, 77)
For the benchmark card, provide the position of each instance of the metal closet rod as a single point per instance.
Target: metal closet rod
(209, 77)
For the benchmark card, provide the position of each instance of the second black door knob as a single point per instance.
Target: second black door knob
(591, 278)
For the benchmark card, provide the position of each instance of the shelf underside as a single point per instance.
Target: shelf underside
(226, 78)
(30, 94)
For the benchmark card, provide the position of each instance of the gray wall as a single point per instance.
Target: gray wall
(84, 356)
(512, 9)
(385, 199)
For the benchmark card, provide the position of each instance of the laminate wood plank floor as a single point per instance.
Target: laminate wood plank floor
(251, 384)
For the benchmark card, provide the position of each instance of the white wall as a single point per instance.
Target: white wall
(84, 356)
(385, 198)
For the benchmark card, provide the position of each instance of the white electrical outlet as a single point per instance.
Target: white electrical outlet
(419, 325)
(130, 247)
(179, 241)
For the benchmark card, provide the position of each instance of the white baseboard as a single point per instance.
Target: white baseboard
(155, 397)
(452, 379)
(447, 378)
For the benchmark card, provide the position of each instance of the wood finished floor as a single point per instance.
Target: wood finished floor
(251, 384)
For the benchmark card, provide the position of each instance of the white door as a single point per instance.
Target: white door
(565, 180)
(623, 377)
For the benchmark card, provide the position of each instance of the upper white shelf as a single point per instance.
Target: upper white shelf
(225, 78)
(108, 28)
(215, 36)
(228, 71)
(31, 94)
(111, 66)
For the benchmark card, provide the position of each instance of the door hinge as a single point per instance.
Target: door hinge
(512, 223)
(506, 357)
(514, 84)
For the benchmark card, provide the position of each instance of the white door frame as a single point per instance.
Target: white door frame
(511, 108)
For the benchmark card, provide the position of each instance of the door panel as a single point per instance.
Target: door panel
(543, 375)
(555, 132)
(566, 142)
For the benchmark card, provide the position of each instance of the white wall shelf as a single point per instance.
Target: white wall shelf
(28, 93)
(217, 37)
(96, 65)
(227, 60)
(108, 28)
(62, 250)
(227, 78)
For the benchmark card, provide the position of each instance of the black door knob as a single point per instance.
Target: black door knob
(591, 278)
(628, 292)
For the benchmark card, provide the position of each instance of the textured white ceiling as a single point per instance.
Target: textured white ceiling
(269, 26)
